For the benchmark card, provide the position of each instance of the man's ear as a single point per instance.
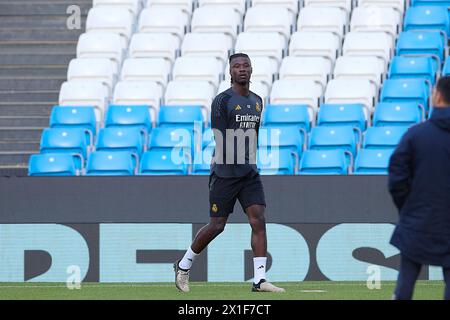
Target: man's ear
(437, 98)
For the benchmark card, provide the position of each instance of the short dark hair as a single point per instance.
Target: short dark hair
(237, 55)
(443, 86)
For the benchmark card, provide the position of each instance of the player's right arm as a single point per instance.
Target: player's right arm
(219, 124)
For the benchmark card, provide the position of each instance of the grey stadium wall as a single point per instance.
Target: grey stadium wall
(131, 229)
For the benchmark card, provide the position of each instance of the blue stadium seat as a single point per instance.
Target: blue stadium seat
(445, 3)
(168, 138)
(129, 116)
(52, 164)
(422, 43)
(413, 67)
(397, 114)
(66, 140)
(202, 161)
(286, 115)
(426, 18)
(75, 117)
(406, 90)
(180, 116)
(276, 162)
(284, 137)
(383, 137)
(342, 115)
(323, 162)
(372, 161)
(115, 139)
(161, 162)
(106, 163)
(446, 69)
(334, 138)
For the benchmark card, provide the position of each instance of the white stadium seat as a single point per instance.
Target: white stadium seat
(97, 69)
(101, 45)
(185, 5)
(154, 45)
(163, 19)
(345, 5)
(314, 44)
(312, 68)
(198, 68)
(207, 19)
(351, 91)
(306, 92)
(146, 69)
(370, 68)
(134, 93)
(291, 5)
(375, 19)
(397, 5)
(322, 19)
(263, 70)
(238, 5)
(268, 19)
(378, 44)
(111, 19)
(134, 6)
(190, 93)
(85, 93)
(256, 87)
(265, 44)
(207, 45)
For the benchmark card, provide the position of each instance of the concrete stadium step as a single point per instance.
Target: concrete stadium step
(39, 47)
(31, 96)
(49, 71)
(22, 122)
(10, 109)
(38, 22)
(30, 84)
(33, 8)
(36, 59)
(16, 146)
(15, 158)
(20, 134)
(25, 34)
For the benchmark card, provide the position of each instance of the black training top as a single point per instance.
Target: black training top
(235, 120)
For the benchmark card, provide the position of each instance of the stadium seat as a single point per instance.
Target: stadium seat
(238, 5)
(257, 87)
(181, 117)
(306, 92)
(313, 68)
(383, 137)
(263, 70)
(85, 93)
(427, 18)
(163, 19)
(378, 44)
(161, 162)
(129, 116)
(284, 138)
(256, 44)
(97, 69)
(276, 162)
(206, 19)
(416, 3)
(360, 91)
(146, 69)
(406, 90)
(198, 68)
(397, 5)
(111, 19)
(107, 163)
(372, 161)
(114, 139)
(446, 69)
(75, 117)
(342, 115)
(66, 140)
(291, 5)
(134, 6)
(345, 5)
(332, 138)
(52, 164)
(314, 44)
(207, 45)
(202, 162)
(330, 19)
(329, 162)
(178, 140)
(353, 67)
(397, 114)
(154, 45)
(413, 67)
(186, 6)
(416, 42)
(101, 45)
(268, 19)
(286, 115)
(137, 93)
(375, 19)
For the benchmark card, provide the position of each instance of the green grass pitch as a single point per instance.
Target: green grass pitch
(306, 290)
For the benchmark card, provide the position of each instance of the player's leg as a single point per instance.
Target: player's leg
(446, 272)
(407, 277)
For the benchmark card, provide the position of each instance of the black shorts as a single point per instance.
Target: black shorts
(223, 193)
